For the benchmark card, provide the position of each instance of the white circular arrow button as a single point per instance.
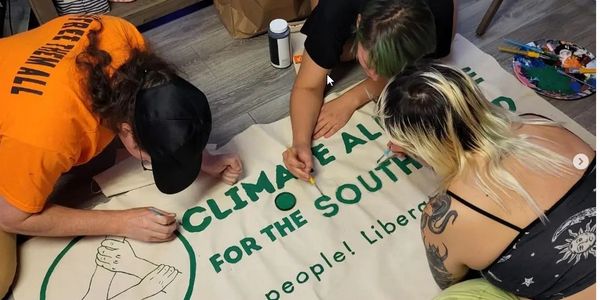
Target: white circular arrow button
(581, 161)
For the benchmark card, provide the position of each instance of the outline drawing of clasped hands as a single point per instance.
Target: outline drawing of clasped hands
(116, 255)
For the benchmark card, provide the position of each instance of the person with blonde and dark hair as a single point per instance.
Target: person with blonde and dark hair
(511, 205)
(385, 36)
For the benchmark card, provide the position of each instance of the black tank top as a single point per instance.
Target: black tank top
(553, 260)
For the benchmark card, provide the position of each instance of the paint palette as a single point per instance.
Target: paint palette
(557, 78)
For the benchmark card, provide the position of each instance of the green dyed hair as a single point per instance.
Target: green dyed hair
(396, 33)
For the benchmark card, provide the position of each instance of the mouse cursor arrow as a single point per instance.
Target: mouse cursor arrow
(329, 81)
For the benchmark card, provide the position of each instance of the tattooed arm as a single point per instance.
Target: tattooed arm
(437, 231)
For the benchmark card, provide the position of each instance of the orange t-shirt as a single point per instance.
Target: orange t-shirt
(46, 122)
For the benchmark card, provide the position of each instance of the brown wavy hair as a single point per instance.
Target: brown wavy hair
(113, 97)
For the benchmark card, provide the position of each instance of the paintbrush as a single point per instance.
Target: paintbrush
(312, 181)
(574, 78)
(581, 70)
(385, 154)
(531, 54)
(531, 48)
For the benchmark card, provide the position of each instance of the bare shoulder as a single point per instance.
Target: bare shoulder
(446, 222)
(310, 75)
(438, 214)
(556, 138)
(442, 221)
(438, 232)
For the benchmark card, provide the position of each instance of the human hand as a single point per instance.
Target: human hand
(298, 160)
(146, 225)
(157, 280)
(333, 116)
(397, 150)
(227, 167)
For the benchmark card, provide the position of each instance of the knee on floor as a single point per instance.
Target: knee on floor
(6, 278)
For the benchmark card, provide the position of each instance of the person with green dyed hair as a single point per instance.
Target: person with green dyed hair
(385, 36)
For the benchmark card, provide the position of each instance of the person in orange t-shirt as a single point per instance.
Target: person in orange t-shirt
(67, 89)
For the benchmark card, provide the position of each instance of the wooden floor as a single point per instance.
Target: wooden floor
(244, 89)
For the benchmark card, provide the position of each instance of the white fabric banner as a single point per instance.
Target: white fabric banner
(361, 240)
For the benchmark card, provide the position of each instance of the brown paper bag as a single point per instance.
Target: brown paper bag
(247, 18)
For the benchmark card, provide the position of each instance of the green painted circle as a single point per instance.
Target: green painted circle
(184, 241)
(285, 201)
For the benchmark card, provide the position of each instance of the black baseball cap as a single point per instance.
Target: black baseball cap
(172, 124)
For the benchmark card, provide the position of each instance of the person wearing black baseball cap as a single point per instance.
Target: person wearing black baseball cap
(66, 91)
(172, 122)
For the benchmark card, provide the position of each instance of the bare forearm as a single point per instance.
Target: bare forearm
(305, 105)
(58, 220)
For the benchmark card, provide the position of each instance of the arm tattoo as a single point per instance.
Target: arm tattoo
(440, 215)
(436, 264)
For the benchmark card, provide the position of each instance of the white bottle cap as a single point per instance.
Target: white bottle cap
(278, 26)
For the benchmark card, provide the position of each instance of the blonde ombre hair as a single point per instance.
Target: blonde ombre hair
(438, 114)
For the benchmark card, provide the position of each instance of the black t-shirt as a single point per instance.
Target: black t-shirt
(333, 22)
